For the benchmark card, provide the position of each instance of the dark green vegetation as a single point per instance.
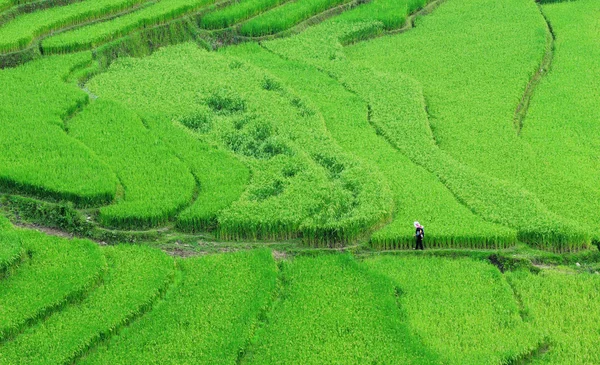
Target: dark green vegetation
(276, 149)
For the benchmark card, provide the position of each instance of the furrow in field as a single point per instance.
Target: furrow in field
(461, 308)
(335, 309)
(266, 312)
(541, 71)
(561, 124)
(565, 307)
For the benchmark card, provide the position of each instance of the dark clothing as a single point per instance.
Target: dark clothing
(419, 234)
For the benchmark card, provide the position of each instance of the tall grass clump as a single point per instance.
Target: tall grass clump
(11, 250)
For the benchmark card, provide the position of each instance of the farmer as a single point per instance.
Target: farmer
(419, 234)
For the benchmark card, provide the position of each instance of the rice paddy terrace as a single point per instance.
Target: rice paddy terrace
(236, 181)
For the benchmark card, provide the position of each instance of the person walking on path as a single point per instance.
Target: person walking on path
(419, 235)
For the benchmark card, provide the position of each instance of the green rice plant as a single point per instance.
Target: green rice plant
(391, 14)
(38, 157)
(398, 112)
(237, 12)
(5, 4)
(462, 309)
(57, 272)
(4, 223)
(566, 307)
(286, 16)
(208, 318)
(157, 184)
(221, 176)
(135, 279)
(332, 310)
(561, 124)
(471, 121)
(302, 183)
(95, 34)
(10, 247)
(24, 29)
(418, 195)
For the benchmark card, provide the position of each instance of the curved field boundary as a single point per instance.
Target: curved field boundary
(55, 167)
(548, 232)
(542, 70)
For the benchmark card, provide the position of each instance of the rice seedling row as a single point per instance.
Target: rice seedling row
(95, 34)
(21, 31)
(242, 10)
(286, 16)
(11, 251)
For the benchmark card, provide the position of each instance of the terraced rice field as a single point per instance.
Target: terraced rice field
(236, 181)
